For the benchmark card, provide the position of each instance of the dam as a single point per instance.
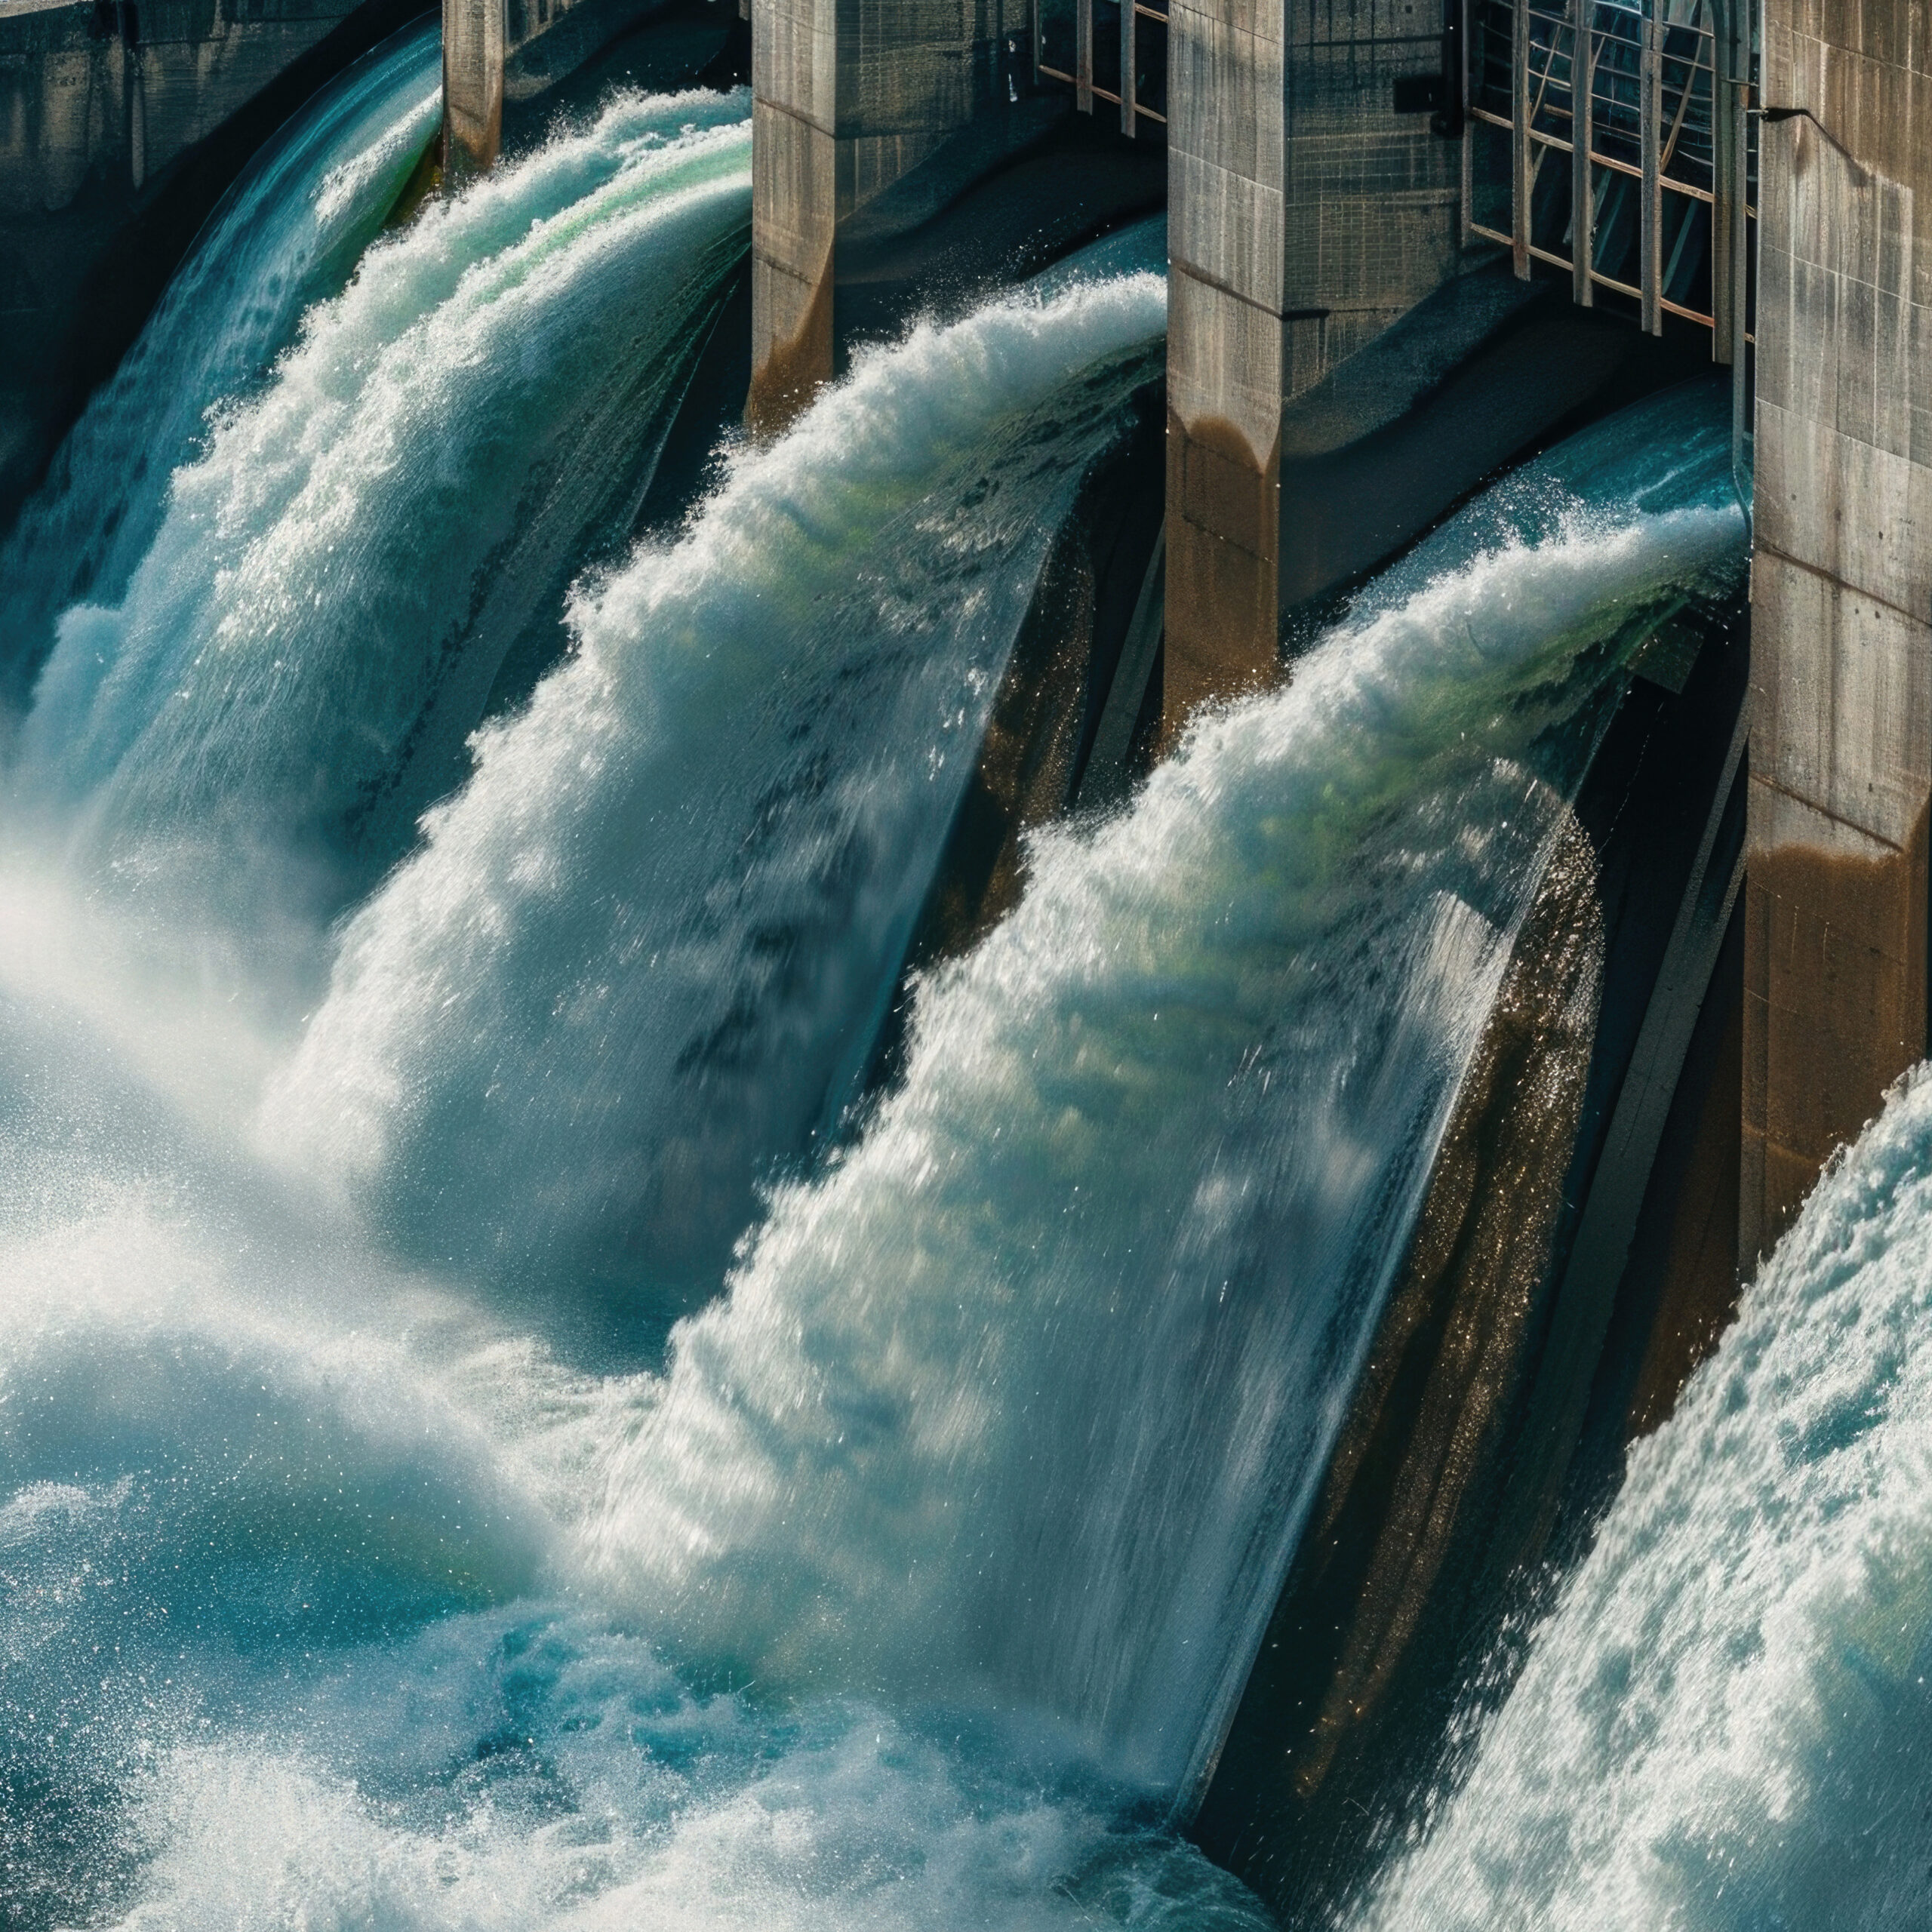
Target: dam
(959, 964)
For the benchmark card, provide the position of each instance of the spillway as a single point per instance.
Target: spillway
(288, 232)
(641, 956)
(1722, 1722)
(502, 1422)
(298, 659)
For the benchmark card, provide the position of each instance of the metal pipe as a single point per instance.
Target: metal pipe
(1519, 226)
(1582, 134)
(1650, 237)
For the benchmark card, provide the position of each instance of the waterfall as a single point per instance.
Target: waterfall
(1025, 1398)
(472, 1453)
(288, 232)
(647, 945)
(1724, 1721)
(296, 662)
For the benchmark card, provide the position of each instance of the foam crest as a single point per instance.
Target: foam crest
(287, 234)
(1723, 1723)
(318, 623)
(641, 951)
(1023, 1400)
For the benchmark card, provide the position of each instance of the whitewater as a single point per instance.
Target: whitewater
(498, 1426)
(1723, 1724)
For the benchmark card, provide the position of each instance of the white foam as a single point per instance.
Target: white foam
(220, 739)
(1724, 1724)
(1023, 1399)
(288, 232)
(639, 952)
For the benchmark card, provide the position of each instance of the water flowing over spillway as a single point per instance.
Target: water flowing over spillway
(641, 954)
(1723, 1722)
(289, 232)
(297, 660)
(476, 1449)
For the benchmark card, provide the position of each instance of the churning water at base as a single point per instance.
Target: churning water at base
(343, 1582)
(1725, 1725)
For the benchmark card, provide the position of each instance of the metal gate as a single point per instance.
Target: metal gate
(1612, 138)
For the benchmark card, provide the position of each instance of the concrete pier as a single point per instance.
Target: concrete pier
(474, 44)
(1310, 203)
(848, 96)
(1836, 981)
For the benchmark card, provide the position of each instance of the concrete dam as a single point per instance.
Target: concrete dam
(961, 964)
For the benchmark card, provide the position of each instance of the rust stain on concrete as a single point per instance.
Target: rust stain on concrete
(794, 369)
(1834, 1011)
(1223, 567)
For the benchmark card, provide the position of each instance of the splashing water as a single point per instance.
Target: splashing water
(1723, 1726)
(301, 654)
(645, 950)
(973, 1473)
(288, 232)
(914, 1588)
(1027, 1394)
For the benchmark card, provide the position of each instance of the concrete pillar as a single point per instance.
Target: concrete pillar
(1835, 985)
(1305, 214)
(475, 40)
(847, 96)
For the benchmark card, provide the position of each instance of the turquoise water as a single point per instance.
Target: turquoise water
(469, 1456)
(1722, 1725)
(288, 233)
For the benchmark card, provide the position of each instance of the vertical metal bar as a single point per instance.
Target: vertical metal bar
(1129, 27)
(1469, 171)
(1582, 119)
(1519, 135)
(1451, 117)
(1033, 21)
(1744, 42)
(1725, 185)
(1649, 119)
(1083, 34)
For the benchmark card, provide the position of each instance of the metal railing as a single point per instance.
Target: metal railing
(1113, 54)
(1652, 96)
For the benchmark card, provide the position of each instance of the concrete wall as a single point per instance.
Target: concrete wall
(1305, 215)
(1835, 987)
(848, 96)
(111, 120)
(475, 36)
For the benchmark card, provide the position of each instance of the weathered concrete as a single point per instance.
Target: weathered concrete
(120, 126)
(848, 96)
(475, 36)
(499, 52)
(1836, 981)
(1306, 215)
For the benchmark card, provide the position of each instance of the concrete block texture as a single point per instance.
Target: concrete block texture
(1841, 695)
(1224, 359)
(795, 175)
(474, 47)
(1305, 217)
(1836, 975)
(1835, 987)
(849, 96)
(78, 103)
